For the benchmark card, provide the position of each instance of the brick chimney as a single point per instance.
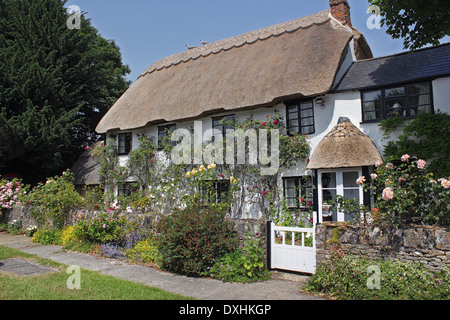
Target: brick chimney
(340, 9)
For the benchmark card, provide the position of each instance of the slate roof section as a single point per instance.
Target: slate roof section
(428, 63)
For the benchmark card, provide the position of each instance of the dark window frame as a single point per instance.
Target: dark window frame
(125, 189)
(124, 143)
(300, 189)
(221, 189)
(406, 95)
(298, 112)
(216, 123)
(163, 132)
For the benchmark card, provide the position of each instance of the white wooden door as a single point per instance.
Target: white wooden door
(337, 182)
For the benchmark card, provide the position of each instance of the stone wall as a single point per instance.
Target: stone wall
(428, 245)
(242, 226)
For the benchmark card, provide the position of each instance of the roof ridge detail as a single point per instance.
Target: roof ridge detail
(240, 40)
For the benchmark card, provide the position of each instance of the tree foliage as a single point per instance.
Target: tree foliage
(427, 136)
(55, 85)
(418, 22)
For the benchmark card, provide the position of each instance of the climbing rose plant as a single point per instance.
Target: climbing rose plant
(406, 192)
(10, 192)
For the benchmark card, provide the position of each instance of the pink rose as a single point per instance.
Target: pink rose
(361, 180)
(104, 226)
(421, 164)
(405, 157)
(388, 194)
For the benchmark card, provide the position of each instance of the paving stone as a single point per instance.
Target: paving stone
(23, 267)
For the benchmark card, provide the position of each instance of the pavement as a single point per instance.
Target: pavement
(283, 286)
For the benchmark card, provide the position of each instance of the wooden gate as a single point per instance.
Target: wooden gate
(292, 248)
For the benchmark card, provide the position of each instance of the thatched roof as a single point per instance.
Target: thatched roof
(343, 147)
(86, 169)
(289, 60)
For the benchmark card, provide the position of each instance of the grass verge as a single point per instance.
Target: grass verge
(53, 286)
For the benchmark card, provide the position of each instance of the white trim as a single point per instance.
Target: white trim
(339, 188)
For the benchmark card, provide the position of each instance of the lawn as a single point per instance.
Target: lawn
(53, 286)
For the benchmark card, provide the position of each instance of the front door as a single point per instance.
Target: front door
(335, 182)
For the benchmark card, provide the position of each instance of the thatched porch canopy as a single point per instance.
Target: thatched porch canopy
(295, 59)
(345, 146)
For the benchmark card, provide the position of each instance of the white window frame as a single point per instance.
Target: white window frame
(339, 188)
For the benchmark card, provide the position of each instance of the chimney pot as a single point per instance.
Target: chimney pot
(340, 9)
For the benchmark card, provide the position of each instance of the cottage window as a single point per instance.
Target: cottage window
(223, 123)
(125, 143)
(125, 189)
(403, 101)
(298, 192)
(164, 133)
(217, 192)
(300, 117)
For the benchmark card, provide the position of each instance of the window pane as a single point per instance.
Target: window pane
(308, 130)
(350, 179)
(424, 109)
(394, 92)
(351, 194)
(124, 146)
(395, 107)
(306, 105)
(307, 122)
(372, 96)
(293, 124)
(329, 180)
(419, 100)
(307, 113)
(419, 88)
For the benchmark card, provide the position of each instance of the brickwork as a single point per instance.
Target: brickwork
(340, 9)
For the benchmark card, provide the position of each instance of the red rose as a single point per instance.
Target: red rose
(275, 122)
(264, 123)
(264, 192)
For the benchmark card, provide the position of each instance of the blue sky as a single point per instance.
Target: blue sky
(147, 30)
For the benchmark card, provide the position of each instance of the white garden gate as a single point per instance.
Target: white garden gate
(292, 248)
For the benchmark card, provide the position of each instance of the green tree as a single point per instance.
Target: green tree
(427, 136)
(56, 84)
(418, 22)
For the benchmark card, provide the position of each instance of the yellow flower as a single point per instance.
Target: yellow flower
(232, 180)
(202, 168)
(194, 171)
(188, 175)
(211, 166)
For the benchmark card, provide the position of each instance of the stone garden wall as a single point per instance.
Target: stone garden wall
(242, 226)
(428, 245)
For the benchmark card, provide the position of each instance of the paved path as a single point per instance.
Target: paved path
(284, 287)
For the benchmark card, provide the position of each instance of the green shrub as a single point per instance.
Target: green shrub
(106, 227)
(145, 251)
(347, 278)
(242, 265)
(55, 200)
(47, 236)
(193, 238)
